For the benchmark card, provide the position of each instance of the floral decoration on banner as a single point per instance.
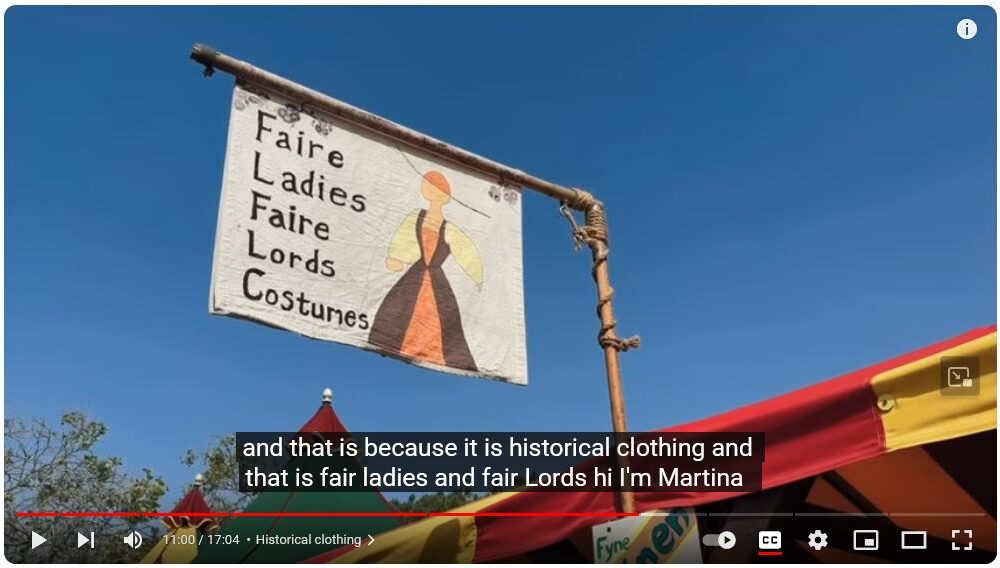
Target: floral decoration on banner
(506, 191)
(290, 113)
(250, 96)
(322, 126)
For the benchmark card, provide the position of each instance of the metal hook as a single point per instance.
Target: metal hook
(577, 234)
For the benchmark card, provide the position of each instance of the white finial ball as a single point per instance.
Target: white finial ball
(327, 395)
(199, 479)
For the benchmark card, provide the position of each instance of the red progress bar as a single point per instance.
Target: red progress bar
(185, 514)
(320, 514)
(512, 514)
(117, 514)
(769, 553)
(111, 514)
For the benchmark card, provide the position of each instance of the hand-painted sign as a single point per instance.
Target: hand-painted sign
(339, 233)
(657, 537)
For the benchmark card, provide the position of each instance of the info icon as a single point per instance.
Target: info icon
(966, 29)
(959, 376)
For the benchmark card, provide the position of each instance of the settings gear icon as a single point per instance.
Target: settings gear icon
(817, 540)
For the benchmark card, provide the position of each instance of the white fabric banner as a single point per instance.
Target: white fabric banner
(339, 233)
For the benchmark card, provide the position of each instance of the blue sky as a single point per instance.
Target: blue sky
(793, 193)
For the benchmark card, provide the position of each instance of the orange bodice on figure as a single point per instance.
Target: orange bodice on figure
(423, 338)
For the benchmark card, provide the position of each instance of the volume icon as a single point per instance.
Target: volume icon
(133, 539)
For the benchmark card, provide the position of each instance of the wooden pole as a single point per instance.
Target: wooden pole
(626, 499)
(594, 233)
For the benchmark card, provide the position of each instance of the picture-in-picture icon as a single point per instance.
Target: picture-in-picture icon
(959, 376)
(866, 540)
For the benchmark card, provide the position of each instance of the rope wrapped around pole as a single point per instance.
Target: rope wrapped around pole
(597, 238)
(594, 233)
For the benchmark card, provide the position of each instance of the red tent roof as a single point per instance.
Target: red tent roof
(194, 504)
(325, 419)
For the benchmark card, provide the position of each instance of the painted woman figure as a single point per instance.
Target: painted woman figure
(419, 317)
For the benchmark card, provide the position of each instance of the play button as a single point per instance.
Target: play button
(37, 540)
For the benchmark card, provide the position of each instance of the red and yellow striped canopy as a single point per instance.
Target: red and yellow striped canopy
(878, 410)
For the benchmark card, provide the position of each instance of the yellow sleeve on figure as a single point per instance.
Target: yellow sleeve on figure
(404, 246)
(465, 253)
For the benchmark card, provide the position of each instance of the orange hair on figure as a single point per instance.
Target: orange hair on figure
(438, 180)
